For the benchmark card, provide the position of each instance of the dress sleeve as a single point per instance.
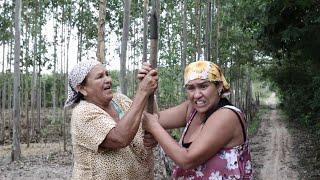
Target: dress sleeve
(91, 126)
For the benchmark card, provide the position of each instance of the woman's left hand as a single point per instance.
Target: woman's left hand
(149, 141)
(144, 70)
(149, 120)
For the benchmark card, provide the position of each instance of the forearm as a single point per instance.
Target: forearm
(126, 129)
(178, 154)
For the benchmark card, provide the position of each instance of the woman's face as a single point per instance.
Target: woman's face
(203, 94)
(97, 87)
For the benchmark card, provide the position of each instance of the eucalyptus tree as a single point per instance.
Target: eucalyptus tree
(68, 19)
(124, 44)
(16, 150)
(198, 29)
(145, 30)
(35, 16)
(27, 62)
(208, 32)
(184, 43)
(5, 36)
(101, 31)
(85, 21)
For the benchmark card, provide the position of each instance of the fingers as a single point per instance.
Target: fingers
(149, 141)
(145, 69)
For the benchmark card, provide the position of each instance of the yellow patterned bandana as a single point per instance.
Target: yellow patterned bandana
(205, 70)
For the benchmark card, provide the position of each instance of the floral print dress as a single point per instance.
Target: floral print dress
(228, 163)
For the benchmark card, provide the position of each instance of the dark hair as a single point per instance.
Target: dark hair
(223, 102)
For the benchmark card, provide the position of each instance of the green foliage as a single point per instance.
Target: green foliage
(115, 79)
(169, 92)
(256, 120)
(291, 36)
(5, 23)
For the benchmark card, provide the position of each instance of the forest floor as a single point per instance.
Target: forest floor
(280, 150)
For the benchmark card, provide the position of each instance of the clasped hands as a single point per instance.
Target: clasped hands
(150, 75)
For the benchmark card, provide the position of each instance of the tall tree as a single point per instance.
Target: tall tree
(184, 44)
(217, 31)
(101, 31)
(16, 151)
(145, 30)
(208, 32)
(124, 44)
(198, 29)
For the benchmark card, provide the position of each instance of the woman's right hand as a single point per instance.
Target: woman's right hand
(144, 70)
(149, 83)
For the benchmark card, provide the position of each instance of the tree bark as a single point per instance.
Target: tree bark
(124, 43)
(16, 151)
(145, 30)
(101, 31)
(198, 29)
(3, 94)
(217, 31)
(184, 44)
(208, 32)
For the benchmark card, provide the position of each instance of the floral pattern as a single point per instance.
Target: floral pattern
(228, 163)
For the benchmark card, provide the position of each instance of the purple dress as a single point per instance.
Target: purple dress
(228, 163)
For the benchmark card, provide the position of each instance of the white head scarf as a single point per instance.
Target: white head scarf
(75, 77)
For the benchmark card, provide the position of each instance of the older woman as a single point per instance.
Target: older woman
(214, 144)
(106, 134)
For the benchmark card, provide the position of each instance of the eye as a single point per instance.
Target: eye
(100, 75)
(203, 86)
(189, 87)
(107, 73)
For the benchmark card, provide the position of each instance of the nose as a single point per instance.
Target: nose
(197, 93)
(107, 79)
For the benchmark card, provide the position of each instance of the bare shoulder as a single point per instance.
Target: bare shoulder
(224, 116)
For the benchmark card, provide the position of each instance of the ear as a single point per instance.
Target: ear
(220, 87)
(81, 89)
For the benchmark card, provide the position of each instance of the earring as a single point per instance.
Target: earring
(219, 93)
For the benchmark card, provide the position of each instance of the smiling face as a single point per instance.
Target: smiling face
(203, 94)
(97, 86)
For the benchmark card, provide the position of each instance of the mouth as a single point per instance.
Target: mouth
(107, 87)
(200, 102)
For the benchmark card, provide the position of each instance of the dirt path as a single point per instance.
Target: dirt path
(272, 147)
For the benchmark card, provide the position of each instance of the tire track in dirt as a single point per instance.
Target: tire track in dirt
(272, 147)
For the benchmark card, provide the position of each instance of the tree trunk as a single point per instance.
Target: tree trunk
(3, 94)
(208, 32)
(145, 30)
(184, 44)
(65, 116)
(217, 31)
(198, 29)
(54, 74)
(124, 42)
(80, 34)
(27, 87)
(3, 107)
(154, 36)
(101, 31)
(16, 151)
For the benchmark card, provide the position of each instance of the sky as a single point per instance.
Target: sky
(112, 54)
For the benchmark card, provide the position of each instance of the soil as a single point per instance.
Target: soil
(272, 148)
(39, 161)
